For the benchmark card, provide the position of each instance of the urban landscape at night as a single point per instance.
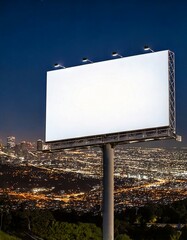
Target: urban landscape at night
(93, 136)
(72, 179)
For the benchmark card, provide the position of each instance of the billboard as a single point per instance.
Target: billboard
(120, 95)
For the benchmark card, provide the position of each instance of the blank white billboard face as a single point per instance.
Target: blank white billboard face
(113, 96)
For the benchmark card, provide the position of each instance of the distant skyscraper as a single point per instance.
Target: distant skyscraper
(1, 143)
(39, 145)
(11, 142)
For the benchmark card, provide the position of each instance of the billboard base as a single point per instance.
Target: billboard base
(144, 135)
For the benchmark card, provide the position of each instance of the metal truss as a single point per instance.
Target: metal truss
(172, 111)
(118, 138)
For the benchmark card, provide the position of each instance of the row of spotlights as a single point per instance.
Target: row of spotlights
(114, 54)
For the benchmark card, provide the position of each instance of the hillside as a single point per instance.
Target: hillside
(4, 236)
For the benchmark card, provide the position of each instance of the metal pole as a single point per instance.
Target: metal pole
(108, 192)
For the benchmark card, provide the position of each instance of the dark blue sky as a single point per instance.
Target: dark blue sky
(34, 34)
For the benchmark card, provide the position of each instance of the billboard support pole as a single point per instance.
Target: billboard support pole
(108, 192)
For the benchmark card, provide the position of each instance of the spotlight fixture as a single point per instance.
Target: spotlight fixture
(147, 48)
(58, 65)
(86, 60)
(116, 54)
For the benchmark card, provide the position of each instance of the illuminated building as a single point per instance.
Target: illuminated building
(1, 143)
(11, 142)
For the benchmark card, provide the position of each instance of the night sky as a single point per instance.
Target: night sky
(35, 34)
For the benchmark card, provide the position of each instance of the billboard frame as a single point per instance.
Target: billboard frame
(144, 135)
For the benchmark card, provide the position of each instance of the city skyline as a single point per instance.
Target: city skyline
(72, 179)
(37, 34)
